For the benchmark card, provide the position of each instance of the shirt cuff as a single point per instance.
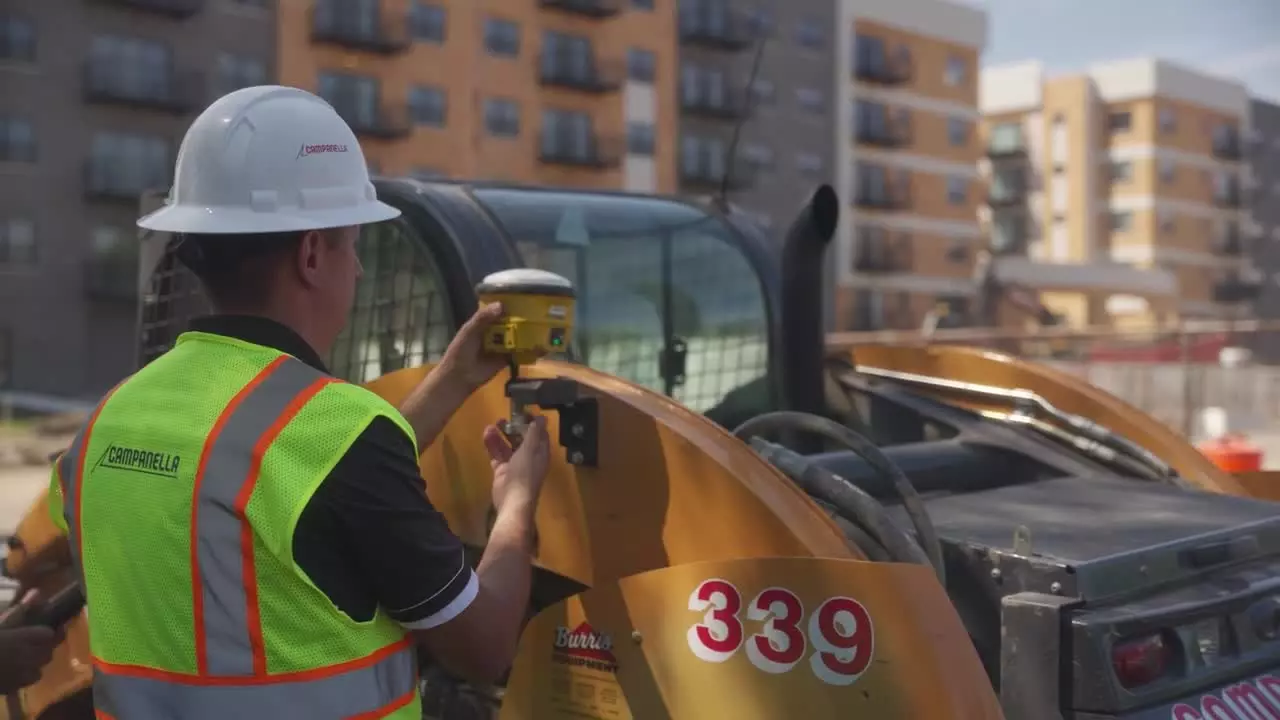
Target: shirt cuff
(461, 601)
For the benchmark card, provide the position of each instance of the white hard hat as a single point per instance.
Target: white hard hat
(268, 159)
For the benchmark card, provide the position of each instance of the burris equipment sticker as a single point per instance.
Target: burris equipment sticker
(584, 647)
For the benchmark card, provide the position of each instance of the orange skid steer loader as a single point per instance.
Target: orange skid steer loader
(745, 524)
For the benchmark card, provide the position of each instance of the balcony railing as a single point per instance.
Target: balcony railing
(587, 8)
(591, 151)
(1006, 146)
(881, 199)
(731, 31)
(879, 251)
(176, 9)
(383, 122)
(111, 277)
(1228, 197)
(1006, 193)
(599, 76)
(879, 70)
(1230, 243)
(1228, 149)
(707, 176)
(892, 134)
(178, 92)
(113, 181)
(339, 24)
(727, 104)
(1237, 287)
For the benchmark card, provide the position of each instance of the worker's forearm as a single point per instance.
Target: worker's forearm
(431, 404)
(505, 571)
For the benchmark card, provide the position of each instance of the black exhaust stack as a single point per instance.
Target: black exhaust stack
(802, 288)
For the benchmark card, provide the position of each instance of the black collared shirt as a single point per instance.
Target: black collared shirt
(369, 536)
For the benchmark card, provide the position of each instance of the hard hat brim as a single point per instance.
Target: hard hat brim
(242, 221)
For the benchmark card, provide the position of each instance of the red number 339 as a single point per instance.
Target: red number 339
(840, 631)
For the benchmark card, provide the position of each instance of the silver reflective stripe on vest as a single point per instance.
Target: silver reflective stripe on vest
(352, 693)
(68, 464)
(219, 558)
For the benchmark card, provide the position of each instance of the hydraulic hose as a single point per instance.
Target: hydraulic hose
(864, 448)
(873, 531)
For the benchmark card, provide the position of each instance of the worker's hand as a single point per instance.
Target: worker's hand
(518, 474)
(465, 360)
(24, 650)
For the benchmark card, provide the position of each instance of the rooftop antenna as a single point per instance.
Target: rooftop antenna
(721, 200)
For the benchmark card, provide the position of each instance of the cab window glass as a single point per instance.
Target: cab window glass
(665, 299)
(400, 317)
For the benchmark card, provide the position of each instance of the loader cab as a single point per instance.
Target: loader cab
(671, 295)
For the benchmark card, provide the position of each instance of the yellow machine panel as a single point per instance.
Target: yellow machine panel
(759, 639)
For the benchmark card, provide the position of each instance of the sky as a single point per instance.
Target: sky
(1235, 38)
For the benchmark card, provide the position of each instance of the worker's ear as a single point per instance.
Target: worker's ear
(308, 259)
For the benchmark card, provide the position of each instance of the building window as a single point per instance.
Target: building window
(502, 117)
(760, 156)
(1168, 120)
(567, 56)
(640, 138)
(129, 164)
(236, 72)
(427, 22)
(642, 4)
(809, 33)
(1168, 226)
(761, 21)
(763, 91)
(501, 37)
(1121, 171)
(808, 163)
(811, 99)
(1168, 170)
(17, 39)
(958, 131)
(702, 157)
(17, 140)
(428, 106)
(641, 65)
(132, 67)
(17, 242)
(566, 133)
(1121, 220)
(957, 190)
(957, 68)
(1119, 121)
(355, 97)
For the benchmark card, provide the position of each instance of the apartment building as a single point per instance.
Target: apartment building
(572, 93)
(1119, 193)
(906, 157)
(1263, 146)
(94, 98)
(784, 116)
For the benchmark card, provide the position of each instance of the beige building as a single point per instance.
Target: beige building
(1119, 193)
(907, 150)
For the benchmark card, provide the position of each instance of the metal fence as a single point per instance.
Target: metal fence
(1172, 373)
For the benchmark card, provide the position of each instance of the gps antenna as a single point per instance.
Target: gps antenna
(722, 199)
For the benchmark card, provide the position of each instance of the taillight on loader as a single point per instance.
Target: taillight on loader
(1142, 660)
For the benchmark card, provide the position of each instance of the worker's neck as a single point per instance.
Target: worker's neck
(296, 319)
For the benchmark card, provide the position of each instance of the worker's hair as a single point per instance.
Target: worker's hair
(236, 270)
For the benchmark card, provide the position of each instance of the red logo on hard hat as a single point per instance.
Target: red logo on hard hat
(306, 150)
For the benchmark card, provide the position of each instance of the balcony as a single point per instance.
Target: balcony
(582, 150)
(180, 92)
(1007, 192)
(880, 198)
(112, 276)
(1010, 233)
(381, 122)
(1006, 146)
(707, 176)
(596, 9)
(1227, 197)
(1230, 243)
(891, 134)
(117, 181)
(729, 31)
(1238, 287)
(347, 26)
(176, 9)
(879, 70)
(598, 76)
(878, 252)
(1228, 149)
(723, 104)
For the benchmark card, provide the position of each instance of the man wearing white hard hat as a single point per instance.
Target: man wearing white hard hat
(253, 535)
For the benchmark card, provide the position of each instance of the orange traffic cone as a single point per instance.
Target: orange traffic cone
(1233, 453)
